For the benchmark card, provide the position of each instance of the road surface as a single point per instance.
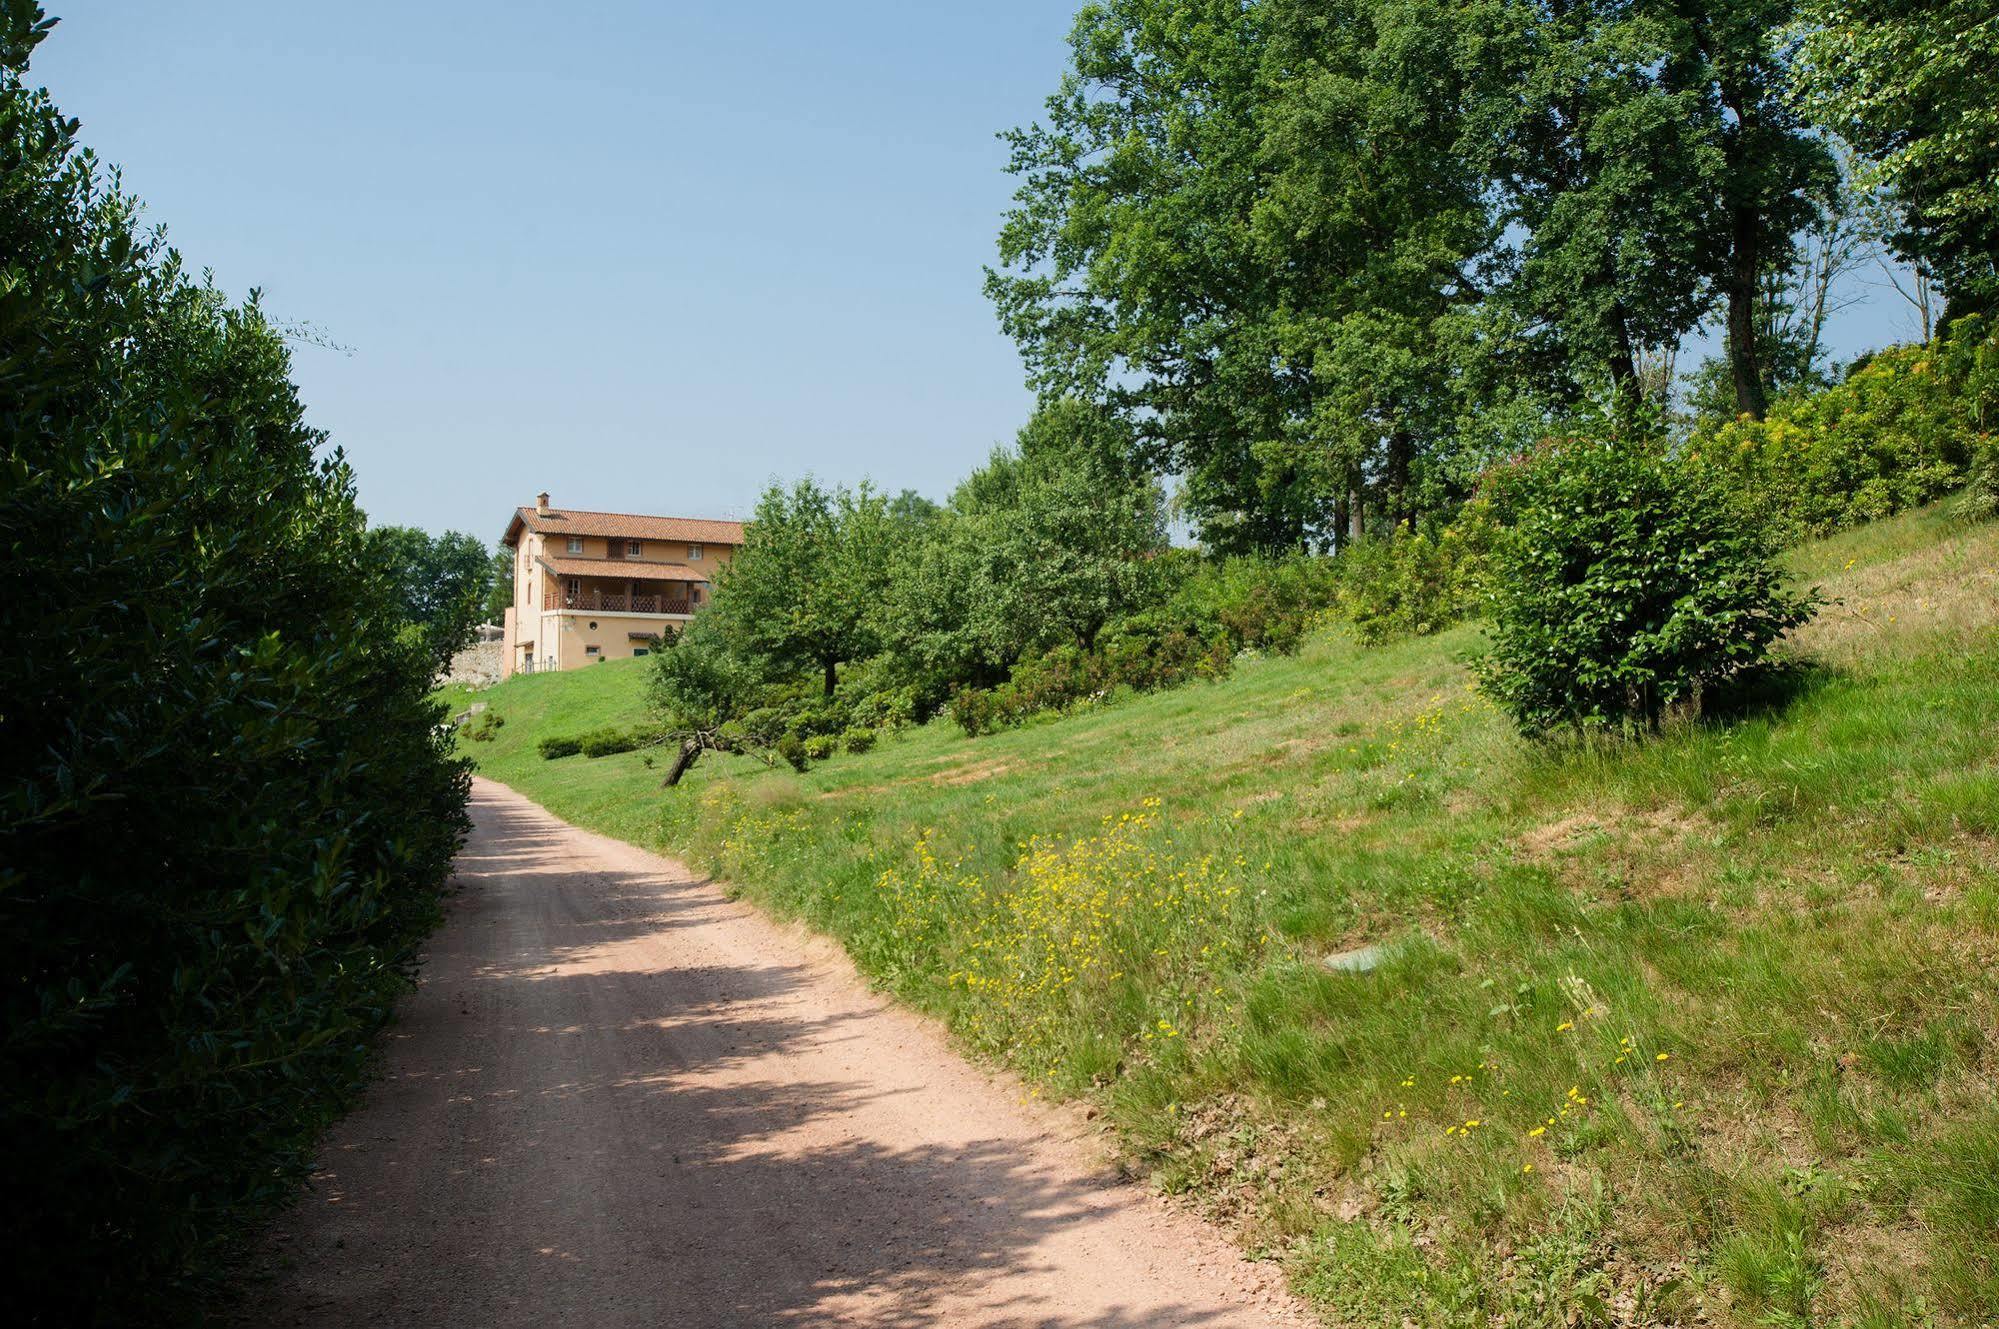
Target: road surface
(620, 1099)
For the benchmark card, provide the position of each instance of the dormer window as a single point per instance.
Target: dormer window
(633, 549)
(694, 553)
(575, 544)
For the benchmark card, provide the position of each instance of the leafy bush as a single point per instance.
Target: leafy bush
(821, 746)
(1266, 604)
(1898, 433)
(610, 741)
(792, 748)
(1980, 499)
(1629, 584)
(1411, 583)
(227, 801)
(484, 727)
(554, 746)
(858, 740)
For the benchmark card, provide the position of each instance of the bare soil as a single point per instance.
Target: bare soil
(619, 1098)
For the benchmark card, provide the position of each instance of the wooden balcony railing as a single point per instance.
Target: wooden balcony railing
(616, 602)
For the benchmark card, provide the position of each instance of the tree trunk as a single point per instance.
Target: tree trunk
(1625, 388)
(1744, 262)
(832, 676)
(1401, 452)
(690, 752)
(1356, 515)
(1340, 538)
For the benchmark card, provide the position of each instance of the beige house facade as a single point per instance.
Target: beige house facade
(592, 586)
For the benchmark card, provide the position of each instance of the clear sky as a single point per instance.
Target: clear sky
(645, 256)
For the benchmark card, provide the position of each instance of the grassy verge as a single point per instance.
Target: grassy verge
(1638, 1033)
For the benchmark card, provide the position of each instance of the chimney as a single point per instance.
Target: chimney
(541, 503)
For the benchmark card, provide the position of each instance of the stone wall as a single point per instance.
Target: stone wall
(478, 665)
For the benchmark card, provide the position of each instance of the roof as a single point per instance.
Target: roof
(622, 526)
(628, 569)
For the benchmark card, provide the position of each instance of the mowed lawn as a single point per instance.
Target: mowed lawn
(1624, 1032)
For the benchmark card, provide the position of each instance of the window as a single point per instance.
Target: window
(694, 553)
(633, 549)
(639, 650)
(575, 544)
(592, 650)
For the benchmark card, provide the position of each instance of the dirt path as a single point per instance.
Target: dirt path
(620, 1099)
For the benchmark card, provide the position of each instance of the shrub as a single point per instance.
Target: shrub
(821, 746)
(1265, 604)
(1980, 499)
(1409, 583)
(553, 747)
(227, 801)
(858, 740)
(484, 727)
(792, 748)
(1630, 583)
(610, 741)
(1898, 433)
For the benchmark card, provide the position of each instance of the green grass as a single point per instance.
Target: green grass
(1739, 978)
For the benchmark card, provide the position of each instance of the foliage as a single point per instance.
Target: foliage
(611, 740)
(858, 740)
(443, 582)
(1899, 432)
(499, 585)
(554, 745)
(1630, 584)
(800, 592)
(1259, 604)
(1908, 83)
(821, 746)
(227, 801)
(1980, 499)
(1414, 583)
(792, 748)
(1049, 542)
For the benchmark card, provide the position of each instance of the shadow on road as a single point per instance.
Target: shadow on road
(599, 1110)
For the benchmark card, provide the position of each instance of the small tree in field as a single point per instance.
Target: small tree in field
(1630, 583)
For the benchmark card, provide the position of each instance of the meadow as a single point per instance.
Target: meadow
(1611, 1031)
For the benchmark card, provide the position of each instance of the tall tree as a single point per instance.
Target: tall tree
(801, 592)
(1610, 177)
(1776, 172)
(1910, 85)
(1238, 229)
(442, 581)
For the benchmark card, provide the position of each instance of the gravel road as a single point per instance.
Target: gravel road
(619, 1098)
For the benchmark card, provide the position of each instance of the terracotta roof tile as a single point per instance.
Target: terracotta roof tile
(628, 568)
(625, 526)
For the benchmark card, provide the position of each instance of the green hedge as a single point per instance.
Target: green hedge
(227, 804)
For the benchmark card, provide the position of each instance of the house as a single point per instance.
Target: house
(592, 586)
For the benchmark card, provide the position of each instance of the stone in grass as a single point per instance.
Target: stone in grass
(1359, 960)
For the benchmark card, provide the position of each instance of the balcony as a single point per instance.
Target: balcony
(588, 599)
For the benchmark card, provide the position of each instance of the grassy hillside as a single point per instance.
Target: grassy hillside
(1704, 1025)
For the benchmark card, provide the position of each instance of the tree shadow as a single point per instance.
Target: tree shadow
(571, 1131)
(1767, 691)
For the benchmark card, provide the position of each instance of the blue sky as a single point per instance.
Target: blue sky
(646, 256)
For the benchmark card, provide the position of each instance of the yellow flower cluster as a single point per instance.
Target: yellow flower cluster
(1043, 952)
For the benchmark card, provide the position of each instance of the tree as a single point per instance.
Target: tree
(1909, 84)
(802, 591)
(1237, 233)
(443, 581)
(1777, 175)
(499, 585)
(1610, 183)
(228, 804)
